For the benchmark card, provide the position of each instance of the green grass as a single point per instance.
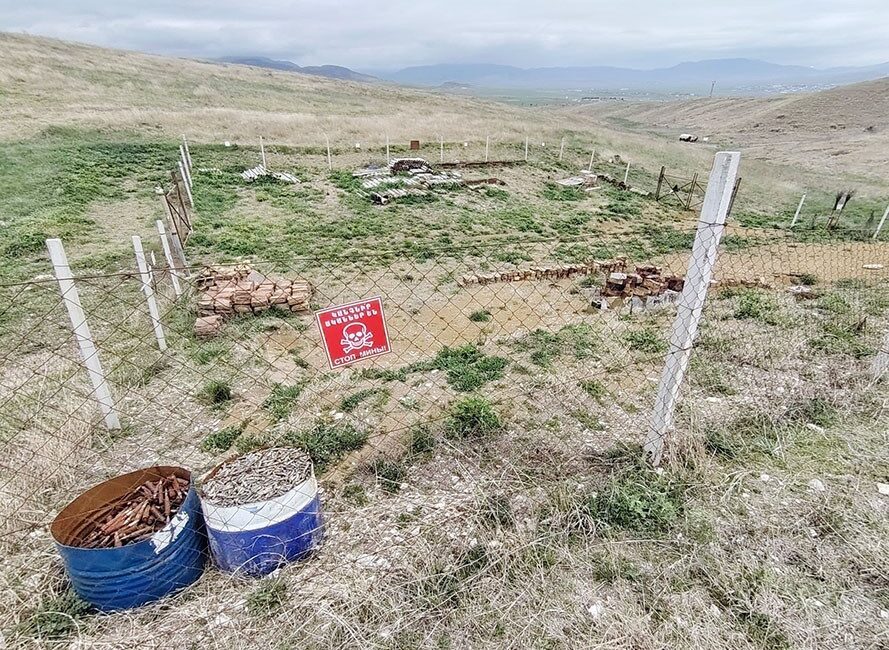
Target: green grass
(467, 367)
(472, 417)
(56, 618)
(216, 392)
(481, 316)
(758, 305)
(282, 400)
(842, 336)
(556, 192)
(327, 442)
(422, 439)
(268, 597)
(389, 473)
(545, 347)
(639, 500)
(353, 401)
(221, 440)
(646, 340)
(593, 388)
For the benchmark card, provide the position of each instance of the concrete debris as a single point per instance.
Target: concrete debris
(393, 182)
(584, 180)
(817, 485)
(400, 165)
(226, 291)
(883, 488)
(802, 292)
(688, 137)
(259, 171)
(872, 267)
(544, 272)
(371, 171)
(384, 198)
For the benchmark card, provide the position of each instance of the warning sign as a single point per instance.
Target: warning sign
(353, 332)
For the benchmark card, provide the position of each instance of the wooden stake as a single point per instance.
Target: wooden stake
(882, 221)
(187, 152)
(690, 305)
(175, 235)
(82, 334)
(329, 161)
(265, 164)
(185, 183)
(798, 208)
(168, 254)
(149, 293)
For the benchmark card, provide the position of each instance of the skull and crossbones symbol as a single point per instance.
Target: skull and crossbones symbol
(355, 337)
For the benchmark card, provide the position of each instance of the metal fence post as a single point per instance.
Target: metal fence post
(185, 183)
(82, 333)
(691, 301)
(798, 208)
(149, 293)
(168, 254)
(262, 153)
(882, 221)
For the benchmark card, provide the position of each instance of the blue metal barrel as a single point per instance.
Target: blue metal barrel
(256, 538)
(138, 573)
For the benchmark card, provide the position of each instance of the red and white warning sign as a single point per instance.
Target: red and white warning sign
(353, 332)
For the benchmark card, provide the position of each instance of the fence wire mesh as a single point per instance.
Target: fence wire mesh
(454, 471)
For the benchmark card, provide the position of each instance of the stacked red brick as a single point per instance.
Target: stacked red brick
(646, 281)
(545, 272)
(235, 290)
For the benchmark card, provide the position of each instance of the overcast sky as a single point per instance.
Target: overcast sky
(393, 34)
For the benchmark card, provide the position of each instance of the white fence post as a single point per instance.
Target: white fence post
(690, 305)
(265, 164)
(526, 149)
(82, 333)
(561, 149)
(184, 159)
(187, 152)
(165, 244)
(441, 147)
(627, 174)
(798, 208)
(880, 364)
(185, 183)
(882, 221)
(149, 293)
(175, 236)
(592, 156)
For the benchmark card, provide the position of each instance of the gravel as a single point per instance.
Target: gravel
(257, 476)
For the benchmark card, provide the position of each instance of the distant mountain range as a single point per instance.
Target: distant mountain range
(738, 75)
(728, 73)
(330, 71)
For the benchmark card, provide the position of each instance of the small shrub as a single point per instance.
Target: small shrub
(282, 399)
(497, 511)
(356, 494)
(593, 388)
(221, 440)
(390, 473)
(422, 439)
(556, 192)
(216, 392)
(647, 340)
(467, 367)
(267, 597)
(758, 306)
(482, 316)
(842, 336)
(57, 617)
(472, 417)
(640, 500)
(807, 279)
(326, 443)
(611, 568)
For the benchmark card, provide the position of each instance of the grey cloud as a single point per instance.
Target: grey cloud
(368, 35)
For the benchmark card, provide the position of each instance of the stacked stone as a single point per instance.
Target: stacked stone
(240, 290)
(544, 272)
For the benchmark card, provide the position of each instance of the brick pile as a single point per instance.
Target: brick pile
(647, 281)
(556, 272)
(225, 292)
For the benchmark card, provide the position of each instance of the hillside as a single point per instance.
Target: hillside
(50, 82)
(842, 129)
(330, 71)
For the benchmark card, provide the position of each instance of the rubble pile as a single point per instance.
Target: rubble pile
(226, 291)
(410, 177)
(545, 272)
(259, 171)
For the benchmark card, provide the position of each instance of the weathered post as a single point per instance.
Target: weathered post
(690, 304)
(187, 152)
(627, 174)
(798, 209)
(82, 334)
(185, 183)
(592, 157)
(329, 160)
(487, 146)
(168, 254)
(561, 149)
(145, 276)
(882, 221)
(265, 164)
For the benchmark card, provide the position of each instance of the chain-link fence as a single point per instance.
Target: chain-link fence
(506, 366)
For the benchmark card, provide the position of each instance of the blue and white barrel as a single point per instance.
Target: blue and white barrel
(256, 538)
